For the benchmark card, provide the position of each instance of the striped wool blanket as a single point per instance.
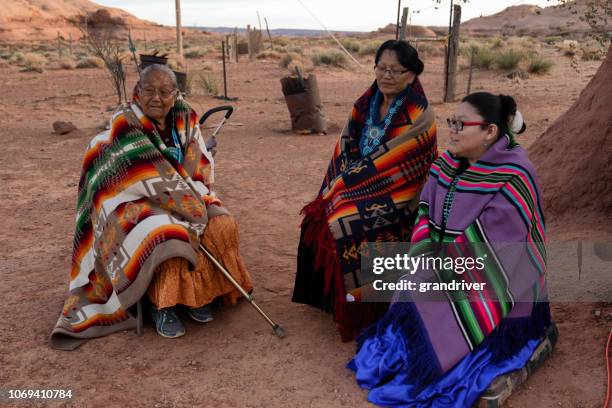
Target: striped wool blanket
(492, 211)
(371, 198)
(137, 207)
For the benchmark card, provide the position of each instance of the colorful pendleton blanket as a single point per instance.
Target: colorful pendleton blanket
(491, 210)
(373, 198)
(137, 207)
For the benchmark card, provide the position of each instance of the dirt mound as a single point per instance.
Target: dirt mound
(573, 156)
(36, 20)
(530, 20)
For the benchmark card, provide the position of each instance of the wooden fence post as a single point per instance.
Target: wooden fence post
(453, 53)
(402, 33)
(235, 44)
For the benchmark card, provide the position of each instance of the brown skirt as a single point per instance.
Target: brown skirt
(173, 282)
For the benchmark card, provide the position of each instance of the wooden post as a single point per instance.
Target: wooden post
(469, 84)
(402, 34)
(250, 42)
(259, 20)
(269, 35)
(447, 47)
(59, 45)
(235, 44)
(179, 32)
(224, 74)
(397, 23)
(453, 53)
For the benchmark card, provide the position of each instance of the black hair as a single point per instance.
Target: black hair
(494, 109)
(407, 55)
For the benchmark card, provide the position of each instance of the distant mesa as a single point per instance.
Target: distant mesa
(35, 20)
(412, 31)
(531, 20)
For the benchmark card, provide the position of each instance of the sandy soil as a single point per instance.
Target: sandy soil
(265, 174)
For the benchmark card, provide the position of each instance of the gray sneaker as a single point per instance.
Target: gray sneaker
(201, 314)
(167, 322)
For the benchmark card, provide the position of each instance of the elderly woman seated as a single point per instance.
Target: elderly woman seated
(145, 204)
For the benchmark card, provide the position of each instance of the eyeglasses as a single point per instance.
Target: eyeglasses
(458, 125)
(150, 92)
(381, 70)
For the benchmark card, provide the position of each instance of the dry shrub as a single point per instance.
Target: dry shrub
(268, 55)
(280, 41)
(350, 44)
(331, 57)
(34, 62)
(509, 59)
(208, 82)
(591, 54)
(568, 47)
(16, 57)
(290, 60)
(370, 47)
(497, 42)
(195, 53)
(552, 39)
(285, 60)
(296, 49)
(539, 65)
(430, 49)
(483, 58)
(90, 62)
(66, 63)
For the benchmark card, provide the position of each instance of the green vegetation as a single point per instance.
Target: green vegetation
(509, 59)
(539, 65)
(90, 62)
(331, 57)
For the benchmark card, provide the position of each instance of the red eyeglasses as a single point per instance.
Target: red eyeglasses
(458, 125)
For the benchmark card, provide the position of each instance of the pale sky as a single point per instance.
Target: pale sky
(349, 15)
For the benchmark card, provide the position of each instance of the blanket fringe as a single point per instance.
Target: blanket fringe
(350, 318)
(423, 367)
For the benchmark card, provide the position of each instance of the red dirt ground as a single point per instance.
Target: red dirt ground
(265, 174)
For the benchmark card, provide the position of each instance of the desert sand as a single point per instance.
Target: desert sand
(264, 175)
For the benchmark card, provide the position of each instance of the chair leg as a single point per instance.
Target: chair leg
(139, 330)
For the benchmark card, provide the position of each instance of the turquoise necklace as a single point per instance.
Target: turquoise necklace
(373, 133)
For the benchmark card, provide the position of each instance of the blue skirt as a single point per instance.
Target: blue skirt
(380, 363)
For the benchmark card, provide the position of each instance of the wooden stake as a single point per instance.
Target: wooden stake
(469, 84)
(235, 44)
(250, 41)
(179, 32)
(269, 35)
(224, 74)
(59, 45)
(453, 53)
(402, 34)
(447, 47)
(399, 5)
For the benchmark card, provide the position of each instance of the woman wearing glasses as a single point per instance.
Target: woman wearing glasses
(481, 201)
(370, 191)
(145, 203)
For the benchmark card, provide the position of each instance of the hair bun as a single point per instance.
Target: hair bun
(508, 106)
